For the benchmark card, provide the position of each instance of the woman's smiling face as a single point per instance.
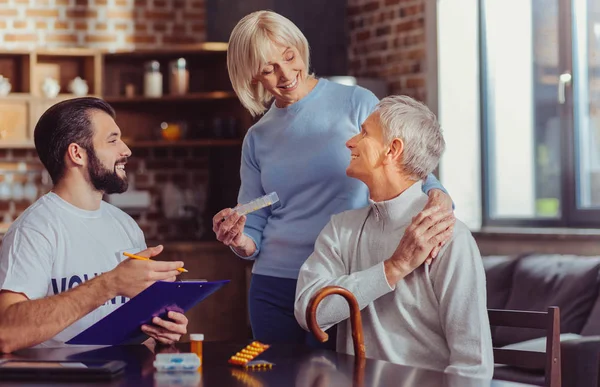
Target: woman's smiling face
(284, 75)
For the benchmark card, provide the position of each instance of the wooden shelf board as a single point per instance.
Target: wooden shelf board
(14, 52)
(184, 143)
(8, 144)
(206, 47)
(16, 96)
(29, 96)
(75, 51)
(209, 95)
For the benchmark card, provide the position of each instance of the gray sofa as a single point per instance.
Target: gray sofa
(535, 281)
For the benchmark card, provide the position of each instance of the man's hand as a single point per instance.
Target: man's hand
(427, 230)
(167, 332)
(228, 226)
(132, 276)
(440, 199)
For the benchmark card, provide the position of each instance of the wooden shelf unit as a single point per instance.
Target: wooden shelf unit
(212, 120)
(210, 115)
(210, 95)
(26, 70)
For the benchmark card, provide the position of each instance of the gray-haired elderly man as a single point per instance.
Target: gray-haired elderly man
(428, 314)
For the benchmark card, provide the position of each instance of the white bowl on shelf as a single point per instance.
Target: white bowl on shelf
(50, 87)
(5, 86)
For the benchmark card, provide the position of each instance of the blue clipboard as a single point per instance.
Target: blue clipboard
(123, 326)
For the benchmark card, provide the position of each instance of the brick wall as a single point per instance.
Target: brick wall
(110, 24)
(387, 40)
(187, 168)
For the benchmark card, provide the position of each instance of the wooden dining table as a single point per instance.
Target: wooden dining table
(294, 366)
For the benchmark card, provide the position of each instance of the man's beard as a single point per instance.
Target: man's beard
(103, 179)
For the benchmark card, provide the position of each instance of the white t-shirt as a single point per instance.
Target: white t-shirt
(54, 246)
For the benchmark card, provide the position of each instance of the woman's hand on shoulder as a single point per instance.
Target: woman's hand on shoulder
(440, 199)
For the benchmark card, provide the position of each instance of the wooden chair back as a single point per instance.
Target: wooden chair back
(549, 360)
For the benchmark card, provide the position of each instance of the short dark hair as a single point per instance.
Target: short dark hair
(62, 124)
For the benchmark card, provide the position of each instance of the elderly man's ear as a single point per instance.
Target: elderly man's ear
(395, 149)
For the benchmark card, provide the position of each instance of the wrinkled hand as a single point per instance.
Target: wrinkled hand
(428, 229)
(228, 226)
(440, 199)
(132, 276)
(167, 332)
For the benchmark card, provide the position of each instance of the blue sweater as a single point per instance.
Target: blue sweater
(300, 153)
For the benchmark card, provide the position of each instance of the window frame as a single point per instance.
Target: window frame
(570, 216)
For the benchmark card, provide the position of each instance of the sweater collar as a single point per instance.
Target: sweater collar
(296, 106)
(399, 207)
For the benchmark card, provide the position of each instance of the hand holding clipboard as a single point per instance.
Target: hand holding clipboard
(123, 325)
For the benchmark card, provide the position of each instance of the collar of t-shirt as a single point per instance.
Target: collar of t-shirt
(73, 209)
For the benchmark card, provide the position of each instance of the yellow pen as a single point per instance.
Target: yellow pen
(181, 269)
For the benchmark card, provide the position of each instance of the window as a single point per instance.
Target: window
(540, 98)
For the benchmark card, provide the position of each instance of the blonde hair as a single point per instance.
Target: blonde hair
(249, 45)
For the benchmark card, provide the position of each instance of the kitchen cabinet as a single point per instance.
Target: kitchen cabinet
(14, 121)
(26, 71)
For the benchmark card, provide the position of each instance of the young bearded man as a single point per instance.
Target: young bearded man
(62, 267)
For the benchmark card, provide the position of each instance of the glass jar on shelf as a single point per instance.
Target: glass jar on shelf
(153, 80)
(30, 189)
(6, 187)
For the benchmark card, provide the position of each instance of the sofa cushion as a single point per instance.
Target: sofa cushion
(498, 275)
(539, 344)
(592, 325)
(539, 281)
(519, 375)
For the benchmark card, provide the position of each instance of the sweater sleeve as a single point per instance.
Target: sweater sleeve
(250, 189)
(364, 104)
(327, 266)
(432, 183)
(459, 285)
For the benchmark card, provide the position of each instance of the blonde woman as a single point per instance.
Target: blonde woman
(297, 150)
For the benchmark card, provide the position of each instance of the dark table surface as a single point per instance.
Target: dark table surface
(295, 366)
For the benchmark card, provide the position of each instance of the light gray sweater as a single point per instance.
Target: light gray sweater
(434, 318)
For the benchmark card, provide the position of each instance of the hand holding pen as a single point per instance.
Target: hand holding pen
(179, 269)
(132, 276)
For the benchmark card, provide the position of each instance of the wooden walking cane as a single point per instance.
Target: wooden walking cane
(355, 320)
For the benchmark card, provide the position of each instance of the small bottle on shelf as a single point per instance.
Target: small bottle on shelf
(179, 77)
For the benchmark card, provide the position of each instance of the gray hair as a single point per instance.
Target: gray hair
(411, 121)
